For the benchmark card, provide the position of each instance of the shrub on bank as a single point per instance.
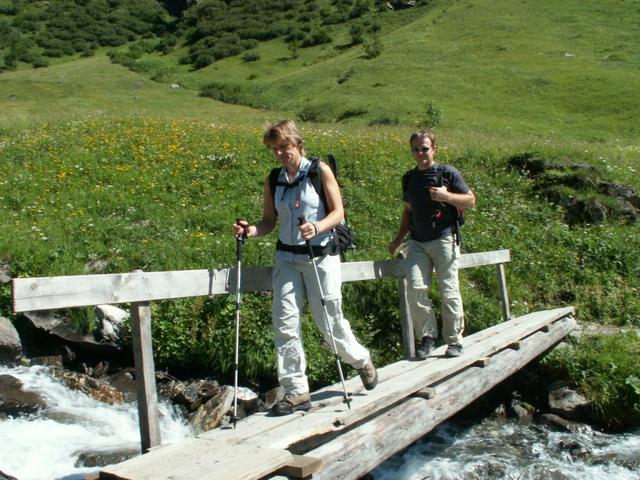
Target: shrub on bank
(605, 369)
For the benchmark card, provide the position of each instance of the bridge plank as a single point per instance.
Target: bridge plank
(194, 458)
(404, 384)
(48, 293)
(330, 418)
(358, 451)
(397, 381)
(332, 414)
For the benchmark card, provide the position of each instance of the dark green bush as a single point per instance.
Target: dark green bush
(384, 120)
(317, 37)
(251, 57)
(316, 113)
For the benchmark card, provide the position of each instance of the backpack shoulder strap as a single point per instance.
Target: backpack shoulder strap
(316, 179)
(440, 175)
(273, 182)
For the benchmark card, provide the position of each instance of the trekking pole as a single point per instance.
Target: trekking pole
(347, 400)
(239, 243)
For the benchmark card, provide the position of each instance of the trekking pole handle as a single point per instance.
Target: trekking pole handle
(243, 235)
(240, 240)
(302, 221)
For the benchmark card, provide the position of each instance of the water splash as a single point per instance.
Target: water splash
(494, 450)
(49, 445)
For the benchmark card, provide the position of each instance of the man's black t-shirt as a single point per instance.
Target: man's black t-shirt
(431, 220)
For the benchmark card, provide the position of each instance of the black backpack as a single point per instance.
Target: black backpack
(342, 234)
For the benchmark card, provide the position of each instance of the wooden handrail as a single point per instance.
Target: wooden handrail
(139, 288)
(48, 293)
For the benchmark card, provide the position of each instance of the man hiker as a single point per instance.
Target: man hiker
(433, 196)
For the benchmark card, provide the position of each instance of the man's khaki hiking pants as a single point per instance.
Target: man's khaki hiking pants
(292, 282)
(422, 257)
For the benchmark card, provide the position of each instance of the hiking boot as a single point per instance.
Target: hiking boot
(292, 403)
(454, 350)
(368, 375)
(425, 347)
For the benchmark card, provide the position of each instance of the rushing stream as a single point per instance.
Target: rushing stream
(51, 444)
(494, 450)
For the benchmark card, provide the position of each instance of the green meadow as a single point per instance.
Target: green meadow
(101, 164)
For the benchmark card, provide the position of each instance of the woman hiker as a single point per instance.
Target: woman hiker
(295, 198)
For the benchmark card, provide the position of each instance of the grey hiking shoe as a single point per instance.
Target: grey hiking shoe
(425, 348)
(368, 375)
(292, 403)
(454, 350)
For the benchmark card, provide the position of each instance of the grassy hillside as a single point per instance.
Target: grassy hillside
(93, 87)
(101, 165)
(525, 71)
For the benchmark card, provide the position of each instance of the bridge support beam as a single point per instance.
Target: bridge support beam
(145, 375)
(360, 450)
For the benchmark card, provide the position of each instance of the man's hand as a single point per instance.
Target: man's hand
(439, 194)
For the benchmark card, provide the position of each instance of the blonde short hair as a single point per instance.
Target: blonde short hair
(283, 130)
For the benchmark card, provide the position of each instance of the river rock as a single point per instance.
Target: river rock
(523, 411)
(191, 393)
(94, 388)
(110, 320)
(566, 402)
(563, 424)
(273, 396)
(209, 415)
(10, 346)
(125, 382)
(101, 458)
(15, 401)
(249, 401)
(500, 412)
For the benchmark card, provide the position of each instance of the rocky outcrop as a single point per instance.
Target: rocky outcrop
(205, 402)
(579, 189)
(51, 331)
(10, 345)
(5, 270)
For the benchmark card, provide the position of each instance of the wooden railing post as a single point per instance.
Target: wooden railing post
(145, 375)
(504, 294)
(405, 321)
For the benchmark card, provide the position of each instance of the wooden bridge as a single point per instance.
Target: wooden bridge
(330, 441)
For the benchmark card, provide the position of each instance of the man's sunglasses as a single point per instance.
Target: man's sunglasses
(421, 149)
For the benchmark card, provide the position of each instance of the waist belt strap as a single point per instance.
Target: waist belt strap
(318, 251)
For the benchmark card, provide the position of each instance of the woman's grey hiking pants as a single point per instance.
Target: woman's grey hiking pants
(292, 281)
(422, 257)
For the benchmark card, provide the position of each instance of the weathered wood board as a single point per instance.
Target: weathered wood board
(318, 430)
(47, 293)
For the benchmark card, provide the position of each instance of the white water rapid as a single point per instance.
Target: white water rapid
(495, 450)
(48, 445)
